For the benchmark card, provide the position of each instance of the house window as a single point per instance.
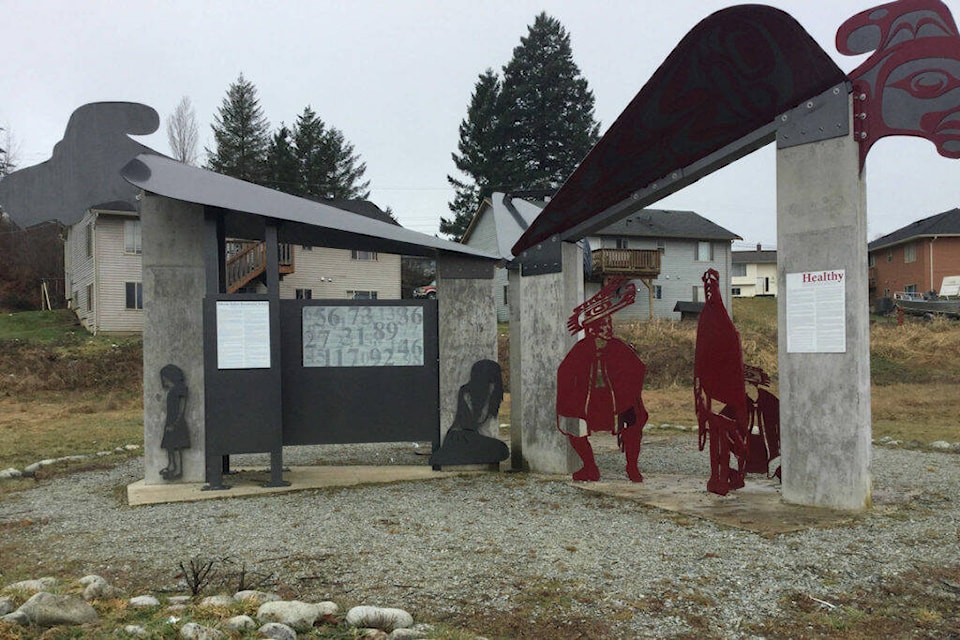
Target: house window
(735, 291)
(661, 246)
(306, 247)
(131, 237)
(704, 251)
(889, 255)
(362, 295)
(88, 231)
(739, 270)
(134, 295)
(506, 296)
(871, 260)
(623, 243)
(89, 297)
(363, 255)
(657, 292)
(304, 294)
(910, 288)
(910, 253)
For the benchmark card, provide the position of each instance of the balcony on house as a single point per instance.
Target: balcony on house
(246, 260)
(628, 263)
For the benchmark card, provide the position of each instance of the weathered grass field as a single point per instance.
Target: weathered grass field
(63, 391)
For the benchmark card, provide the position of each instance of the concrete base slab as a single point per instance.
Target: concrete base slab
(248, 482)
(756, 507)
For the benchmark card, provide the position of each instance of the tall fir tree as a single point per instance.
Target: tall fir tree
(548, 107)
(482, 155)
(528, 131)
(241, 134)
(314, 160)
(282, 166)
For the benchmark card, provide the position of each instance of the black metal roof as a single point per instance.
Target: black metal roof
(942, 224)
(658, 223)
(301, 221)
(753, 257)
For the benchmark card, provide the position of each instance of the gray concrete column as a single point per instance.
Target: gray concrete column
(515, 308)
(173, 291)
(824, 397)
(467, 328)
(539, 317)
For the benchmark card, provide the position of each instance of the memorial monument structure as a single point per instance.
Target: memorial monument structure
(744, 77)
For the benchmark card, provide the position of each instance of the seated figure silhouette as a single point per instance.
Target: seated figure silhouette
(478, 402)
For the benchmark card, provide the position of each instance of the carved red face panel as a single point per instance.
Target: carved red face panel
(911, 83)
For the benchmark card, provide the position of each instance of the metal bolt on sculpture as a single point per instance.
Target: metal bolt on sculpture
(600, 381)
(744, 428)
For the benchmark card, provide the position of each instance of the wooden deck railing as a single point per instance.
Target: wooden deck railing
(628, 262)
(247, 259)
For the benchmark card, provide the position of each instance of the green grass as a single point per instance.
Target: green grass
(45, 327)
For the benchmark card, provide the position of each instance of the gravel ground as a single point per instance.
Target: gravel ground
(460, 546)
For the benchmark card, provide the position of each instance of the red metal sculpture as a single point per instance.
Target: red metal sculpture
(718, 378)
(744, 428)
(600, 381)
(910, 85)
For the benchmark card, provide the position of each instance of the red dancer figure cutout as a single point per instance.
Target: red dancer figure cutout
(600, 381)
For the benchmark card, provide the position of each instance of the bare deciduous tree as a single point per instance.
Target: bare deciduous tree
(9, 151)
(182, 132)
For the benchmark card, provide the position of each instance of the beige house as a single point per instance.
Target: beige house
(754, 273)
(102, 281)
(103, 267)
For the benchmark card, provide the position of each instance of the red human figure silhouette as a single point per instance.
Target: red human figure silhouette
(718, 378)
(910, 84)
(600, 381)
(763, 439)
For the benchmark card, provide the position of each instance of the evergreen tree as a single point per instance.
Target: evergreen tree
(282, 166)
(527, 132)
(548, 106)
(317, 161)
(482, 155)
(241, 134)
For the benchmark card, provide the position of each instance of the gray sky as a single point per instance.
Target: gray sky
(396, 77)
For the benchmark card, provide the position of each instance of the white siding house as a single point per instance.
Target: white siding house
(102, 269)
(686, 245)
(497, 225)
(754, 273)
(321, 272)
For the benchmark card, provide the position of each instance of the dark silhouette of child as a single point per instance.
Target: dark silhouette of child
(176, 436)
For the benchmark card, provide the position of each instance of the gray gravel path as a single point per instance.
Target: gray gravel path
(447, 547)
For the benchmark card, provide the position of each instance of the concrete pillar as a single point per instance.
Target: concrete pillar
(824, 397)
(173, 289)
(467, 328)
(539, 318)
(515, 309)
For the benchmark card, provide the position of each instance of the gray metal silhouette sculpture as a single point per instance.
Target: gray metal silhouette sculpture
(478, 401)
(84, 169)
(176, 435)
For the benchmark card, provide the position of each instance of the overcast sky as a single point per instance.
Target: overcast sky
(396, 77)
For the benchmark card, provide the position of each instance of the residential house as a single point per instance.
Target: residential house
(102, 258)
(497, 225)
(103, 266)
(753, 273)
(666, 252)
(915, 258)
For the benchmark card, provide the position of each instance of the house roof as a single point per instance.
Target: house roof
(658, 223)
(511, 217)
(753, 257)
(303, 221)
(942, 224)
(361, 207)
